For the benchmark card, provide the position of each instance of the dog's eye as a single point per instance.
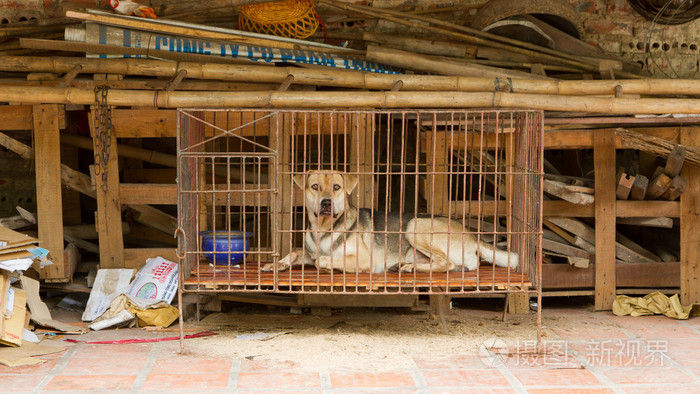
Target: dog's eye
(336, 187)
(314, 186)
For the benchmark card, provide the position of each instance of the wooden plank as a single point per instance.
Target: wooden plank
(155, 218)
(564, 249)
(639, 187)
(674, 162)
(19, 117)
(675, 189)
(661, 222)
(624, 184)
(583, 139)
(634, 247)
(628, 209)
(559, 189)
(658, 186)
(136, 257)
(648, 275)
(47, 161)
(556, 208)
(144, 123)
(14, 222)
(604, 165)
(148, 193)
(690, 223)
(109, 214)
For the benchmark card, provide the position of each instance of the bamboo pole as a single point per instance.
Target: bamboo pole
(355, 99)
(444, 66)
(477, 37)
(173, 27)
(428, 47)
(345, 78)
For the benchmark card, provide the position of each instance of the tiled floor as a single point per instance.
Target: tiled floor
(585, 352)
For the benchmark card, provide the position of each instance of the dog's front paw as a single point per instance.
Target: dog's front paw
(282, 264)
(408, 267)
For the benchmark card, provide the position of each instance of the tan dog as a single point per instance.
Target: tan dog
(341, 236)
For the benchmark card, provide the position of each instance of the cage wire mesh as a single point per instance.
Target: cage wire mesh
(381, 202)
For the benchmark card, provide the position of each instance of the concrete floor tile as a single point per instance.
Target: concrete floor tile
(646, 375)
(371, 380)
(97, 383)
(113, 350)
(188, 364)
(183, 382)
(452, 361)
(36, 369)
(279, 380)
(661, 388)
(100, 366)
(470, 378)
(19, 383)
(263, 365)
(556, 377)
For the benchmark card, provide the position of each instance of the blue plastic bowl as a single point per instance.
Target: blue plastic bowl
(225, 246)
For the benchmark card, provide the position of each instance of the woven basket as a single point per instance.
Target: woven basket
(289, 18)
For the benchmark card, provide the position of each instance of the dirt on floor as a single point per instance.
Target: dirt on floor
(364, 338)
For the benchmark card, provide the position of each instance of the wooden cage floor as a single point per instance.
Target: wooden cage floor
(242, 278)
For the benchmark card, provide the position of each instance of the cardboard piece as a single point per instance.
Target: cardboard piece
(4, 288)
(10, 239)
(16, 310)
(109, 283)
(40, 312)
(156, 280)
(17, 356)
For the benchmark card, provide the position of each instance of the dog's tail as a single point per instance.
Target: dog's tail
(498, 257)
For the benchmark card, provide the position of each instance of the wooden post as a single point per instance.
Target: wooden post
(47, 159)
(690, 223)
(605, 185)
(437, 161)
(360, 160)
(281, 135)
(109, 213)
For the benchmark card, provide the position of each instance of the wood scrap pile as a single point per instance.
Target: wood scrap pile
(665, 183)
(574, 240)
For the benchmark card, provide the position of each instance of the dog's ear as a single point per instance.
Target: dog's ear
(300, 180)
(350, 183)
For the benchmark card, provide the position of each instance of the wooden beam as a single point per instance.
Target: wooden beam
(148, 193)
(651, 275)
(47, 160)
(109, 215)
(155, 218)
(604, 164)
(19, 117)
(690, 223)
(144, 123)
(661, 222)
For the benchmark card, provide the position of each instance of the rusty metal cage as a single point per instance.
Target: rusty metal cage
(245, 176)
(436, 193)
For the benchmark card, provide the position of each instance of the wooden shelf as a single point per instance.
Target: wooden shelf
(486, 278)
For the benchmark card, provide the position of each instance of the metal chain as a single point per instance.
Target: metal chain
(102, 123)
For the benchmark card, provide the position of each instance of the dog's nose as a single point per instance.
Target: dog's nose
(326, 203)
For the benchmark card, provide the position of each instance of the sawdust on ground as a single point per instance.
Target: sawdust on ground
(358, 338)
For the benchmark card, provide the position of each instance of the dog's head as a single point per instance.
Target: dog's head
(325, 192)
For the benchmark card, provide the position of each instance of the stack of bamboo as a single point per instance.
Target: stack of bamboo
(463, 68)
